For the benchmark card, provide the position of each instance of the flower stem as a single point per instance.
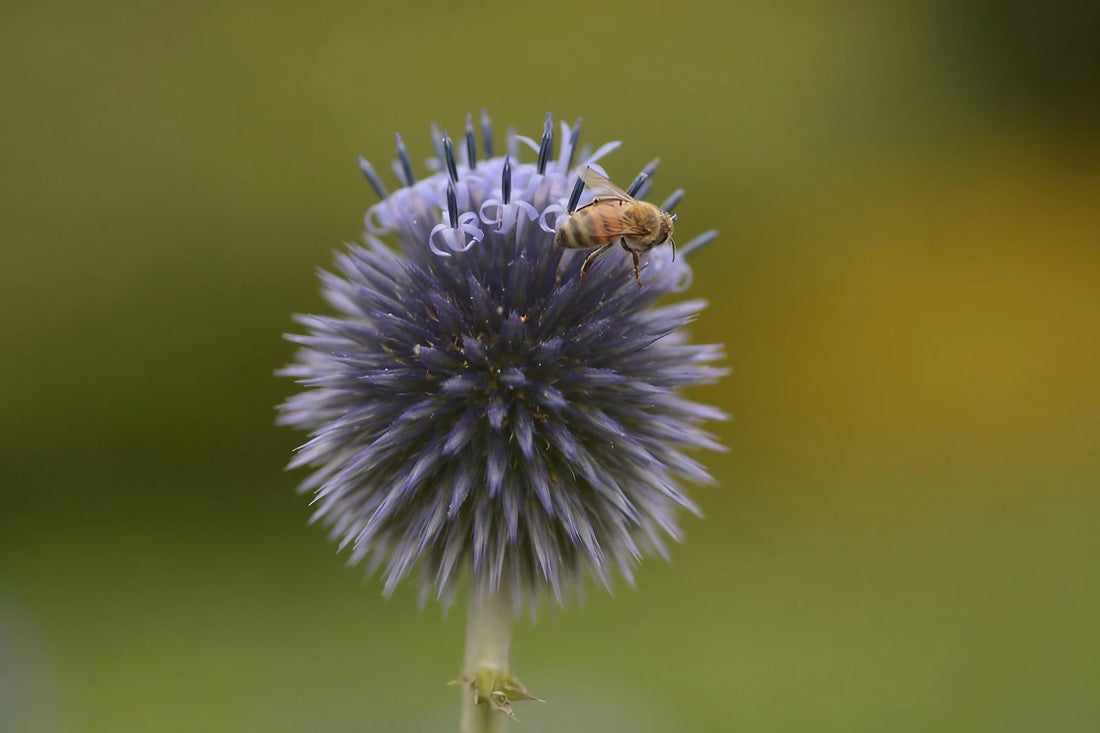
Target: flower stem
(491, 688)
(480, 718)
(488, 662)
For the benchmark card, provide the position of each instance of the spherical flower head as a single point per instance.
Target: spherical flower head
(475, 405)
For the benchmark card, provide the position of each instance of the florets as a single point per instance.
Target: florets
(473, 405)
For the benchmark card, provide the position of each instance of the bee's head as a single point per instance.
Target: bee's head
(668, 223)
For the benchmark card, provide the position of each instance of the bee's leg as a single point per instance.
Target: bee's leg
(636, 275)
(592, 258)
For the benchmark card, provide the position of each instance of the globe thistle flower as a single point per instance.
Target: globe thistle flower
(475, 407)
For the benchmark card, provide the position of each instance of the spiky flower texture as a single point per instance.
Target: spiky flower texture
(474, 406)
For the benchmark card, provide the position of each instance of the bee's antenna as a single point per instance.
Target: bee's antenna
(673, 241)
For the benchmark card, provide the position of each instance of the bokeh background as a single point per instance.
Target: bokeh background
(907, 532)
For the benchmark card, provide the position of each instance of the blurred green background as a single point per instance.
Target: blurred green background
(907, 532)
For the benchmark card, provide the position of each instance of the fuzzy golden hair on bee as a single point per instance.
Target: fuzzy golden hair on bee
(613, 217)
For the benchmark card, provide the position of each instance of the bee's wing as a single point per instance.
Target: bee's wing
(601, 186)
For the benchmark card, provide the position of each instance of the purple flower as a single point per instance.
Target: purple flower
(472, 405)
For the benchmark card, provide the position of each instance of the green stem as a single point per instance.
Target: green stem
(488, 661)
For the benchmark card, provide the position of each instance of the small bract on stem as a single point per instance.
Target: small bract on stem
(475, 409)
(487, 670)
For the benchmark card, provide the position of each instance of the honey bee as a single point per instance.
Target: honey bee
(614, 217)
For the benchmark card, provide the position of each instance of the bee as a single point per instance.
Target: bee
(614, 217)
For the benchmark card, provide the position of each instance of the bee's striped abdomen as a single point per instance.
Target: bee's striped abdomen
(591, 226)
(568, 235)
